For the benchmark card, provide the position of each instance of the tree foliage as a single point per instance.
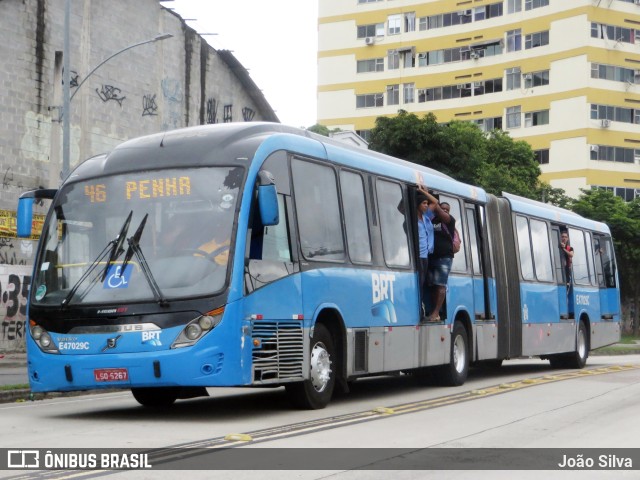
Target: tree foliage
(624, 221)
(492, 161)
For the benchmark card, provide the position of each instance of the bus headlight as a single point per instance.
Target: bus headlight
(43, 339)
(198, 328)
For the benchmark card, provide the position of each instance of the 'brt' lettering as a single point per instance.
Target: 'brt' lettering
(382, 286)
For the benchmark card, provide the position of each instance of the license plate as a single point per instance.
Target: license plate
(111, 374)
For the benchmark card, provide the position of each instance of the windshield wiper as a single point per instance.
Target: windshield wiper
(113, 247)
(116, 249)
(134, 248)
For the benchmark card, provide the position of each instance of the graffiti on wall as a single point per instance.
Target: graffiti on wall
(149, 105)
(14, 288)
(172, 92)
(109, 92)
(212, 110)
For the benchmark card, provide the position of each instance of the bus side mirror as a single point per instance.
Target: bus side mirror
(24, 216)
(267, 199)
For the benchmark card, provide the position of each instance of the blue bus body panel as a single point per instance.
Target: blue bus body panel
(539, 303)
(364, 298)
(213, 361)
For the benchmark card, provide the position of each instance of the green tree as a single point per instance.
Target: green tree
(319, 129)
(510, 166)
(624, 221)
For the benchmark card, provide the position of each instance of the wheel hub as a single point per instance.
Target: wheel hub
(320, 367)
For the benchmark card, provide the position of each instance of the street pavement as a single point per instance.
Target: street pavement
(13, 373)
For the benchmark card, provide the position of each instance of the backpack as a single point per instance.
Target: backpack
(456, 241)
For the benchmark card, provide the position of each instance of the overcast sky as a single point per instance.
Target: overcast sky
(275, 40)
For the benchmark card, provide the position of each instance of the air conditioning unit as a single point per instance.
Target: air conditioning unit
(527, 77)
(478, 84)
(474, 55)
(369, 41)
(594, 148)
(463, 86)
(605, 123)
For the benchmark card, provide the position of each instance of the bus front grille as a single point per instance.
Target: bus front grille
(280, 352)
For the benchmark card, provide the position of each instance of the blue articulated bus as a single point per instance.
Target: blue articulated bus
(256, 254)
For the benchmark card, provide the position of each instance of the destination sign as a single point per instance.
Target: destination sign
(143, 189)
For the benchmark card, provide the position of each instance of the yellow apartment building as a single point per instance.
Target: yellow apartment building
(563, 75)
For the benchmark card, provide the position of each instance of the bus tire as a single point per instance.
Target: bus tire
(156, 397)
(315, 393)
(577, 359)
(455, 372)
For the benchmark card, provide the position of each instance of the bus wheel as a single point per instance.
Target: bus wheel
(455, 372)
(577, 359)
(315, 393)
(156, 397)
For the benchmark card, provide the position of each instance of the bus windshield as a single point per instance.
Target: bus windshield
(136, 237)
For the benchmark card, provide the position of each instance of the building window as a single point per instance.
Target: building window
(371, 65)
(394, 24)
(513, 117)
(627, 194)
(616, 114)
(365, 135)
(369, 100)
(531, 4)
(536, 79)
(613, 33)
(514, 40)
(488, 11)
(409, 58)
(410, 22)
(611, 72)
(423, 23)
(514, 6)
(393, 94)
(542, 156)
(373, 30)
(513, 78)
(614, 154)
(228, 114)
(489, 124)
(393, 60)
(408, 92)
(534, 40)
(533, 119)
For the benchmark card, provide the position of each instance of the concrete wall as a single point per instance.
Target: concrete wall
(164, 85)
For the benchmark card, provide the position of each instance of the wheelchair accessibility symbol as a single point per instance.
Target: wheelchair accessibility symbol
(116, 278)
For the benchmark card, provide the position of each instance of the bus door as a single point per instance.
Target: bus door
(586, 295)
(273, 291)
(485, 320)
(605, 265)
(565, 301)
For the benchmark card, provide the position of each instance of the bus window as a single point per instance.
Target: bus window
(608, 262)
(473, 242)
(459, 263)
(579, 260)
(318, 211)
(395, 243)
(590, 253)
(524, 247)
(355, 217)
(598, 251)
(541, 251)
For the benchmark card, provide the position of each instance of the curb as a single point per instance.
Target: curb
(25, 395)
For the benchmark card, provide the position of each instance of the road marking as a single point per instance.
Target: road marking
(186, 450)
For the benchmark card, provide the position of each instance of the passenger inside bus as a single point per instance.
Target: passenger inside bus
(440, 261)
(425, 204)
(567, 255)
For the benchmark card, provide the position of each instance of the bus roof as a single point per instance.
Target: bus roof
(238, 143)
(552, 213)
